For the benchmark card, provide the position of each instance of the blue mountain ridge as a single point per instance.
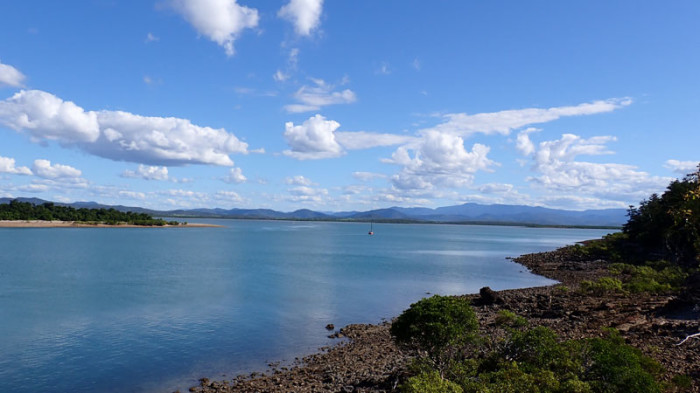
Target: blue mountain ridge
(468, 212)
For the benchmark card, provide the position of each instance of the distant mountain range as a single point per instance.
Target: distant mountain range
(466, 213)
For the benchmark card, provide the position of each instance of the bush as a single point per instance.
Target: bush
(430, 382)
(614, 366)
(509, 318)
(602, 286)
(434, 324)
(654, 277)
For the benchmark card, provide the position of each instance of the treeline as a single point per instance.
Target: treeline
(663, 228)
(16, 210)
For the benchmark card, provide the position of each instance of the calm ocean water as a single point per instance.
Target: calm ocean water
(153, 310)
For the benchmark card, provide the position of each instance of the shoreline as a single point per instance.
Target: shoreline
(77, 224)
(369, 361)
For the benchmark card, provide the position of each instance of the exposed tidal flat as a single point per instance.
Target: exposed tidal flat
(141, 310)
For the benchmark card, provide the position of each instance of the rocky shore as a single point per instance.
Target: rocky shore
(368, 360)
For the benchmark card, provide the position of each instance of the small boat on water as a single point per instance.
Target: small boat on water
(371, 227)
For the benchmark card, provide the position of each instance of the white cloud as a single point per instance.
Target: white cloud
(523, 142)
(495, 188)
(383, 69)
(117, 135)
(439, 160)
(34, 188)
(313, 139)
(365, 140)
(43, 168)
(132, 195)
(682, 167)
(307, 194)
(504, 122)
(221, 21)
(148, 173)
(304, 14)
(7, 165)
(165, 140)
(227, 196)
(45, 116)
(10, 76)
(367, 176)
(292, 61)
(298, 181)
(280, 76)
(558, 170)
(312, 98)
(235, 176)
(150, 37)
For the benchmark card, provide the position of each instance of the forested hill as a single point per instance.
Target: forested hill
(466, 213)
(16, 210)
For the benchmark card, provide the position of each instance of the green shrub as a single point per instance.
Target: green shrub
(509, 318)
(435, 324)
(614, 366)
(653, 277)
(602, 286)
(682, 381)
(539, 348)
(430, 382)
(512, 379)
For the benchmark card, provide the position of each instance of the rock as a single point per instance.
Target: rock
(330, 326)
(488, 296)
(348, 389)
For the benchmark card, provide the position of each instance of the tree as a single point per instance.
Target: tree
(668, 226)
(438, 326)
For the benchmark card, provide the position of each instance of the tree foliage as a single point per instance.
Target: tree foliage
(668, 226)
(535, 360)
(16, 210)
(435, 325)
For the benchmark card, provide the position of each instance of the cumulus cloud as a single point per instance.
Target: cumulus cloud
(682, 167)
(165, 140)
(222, 21)
(45, 116)
(504, 122)
(118, 135)
(307, 194)
(10, 76)
(439, 160)
(7, 165)
(313, 98)
(298, 181)
(235, 176)
(317, 138)
(304, 14)
(227, 196)
(313, 139)
(558, 169)
(148, 173)
(44, 168)
(523, 142)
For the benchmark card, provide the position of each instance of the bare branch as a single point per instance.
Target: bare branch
(696, 335)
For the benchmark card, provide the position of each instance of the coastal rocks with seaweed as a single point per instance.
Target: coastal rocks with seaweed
(369, 361)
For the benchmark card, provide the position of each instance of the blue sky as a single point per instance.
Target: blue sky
(347, 105)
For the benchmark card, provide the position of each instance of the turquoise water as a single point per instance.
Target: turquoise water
(153, 310)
